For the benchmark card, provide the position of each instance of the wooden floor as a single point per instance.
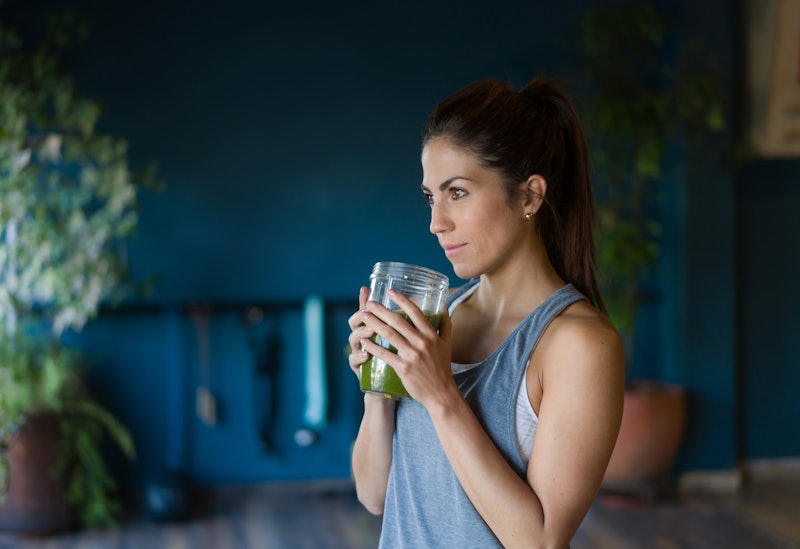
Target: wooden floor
(762, 516)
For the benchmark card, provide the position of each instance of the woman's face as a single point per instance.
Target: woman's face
(479, 230)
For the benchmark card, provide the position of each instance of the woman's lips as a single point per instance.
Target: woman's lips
(450, 251)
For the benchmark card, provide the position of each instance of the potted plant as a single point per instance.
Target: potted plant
(646, 92)
(67, 199)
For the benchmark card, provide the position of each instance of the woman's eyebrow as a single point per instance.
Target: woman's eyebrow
(444, 184)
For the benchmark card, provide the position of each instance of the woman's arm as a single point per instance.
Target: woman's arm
(579, 417)
(372, 450)
(581, 364)
(582, 381)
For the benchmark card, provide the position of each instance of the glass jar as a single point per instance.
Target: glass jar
(428, 289)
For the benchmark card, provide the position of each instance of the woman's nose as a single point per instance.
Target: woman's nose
(439, 219)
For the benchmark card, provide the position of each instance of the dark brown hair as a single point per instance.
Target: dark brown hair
(522, 133)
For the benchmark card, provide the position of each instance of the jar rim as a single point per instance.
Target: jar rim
(408, 271)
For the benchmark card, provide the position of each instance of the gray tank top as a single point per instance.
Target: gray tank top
(425, 504)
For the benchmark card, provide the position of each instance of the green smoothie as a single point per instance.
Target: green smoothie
(379, 377)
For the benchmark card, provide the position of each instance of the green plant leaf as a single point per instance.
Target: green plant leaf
(68, 201)
(644, 95)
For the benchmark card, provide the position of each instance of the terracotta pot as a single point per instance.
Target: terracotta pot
(35, 503)
(650, 435)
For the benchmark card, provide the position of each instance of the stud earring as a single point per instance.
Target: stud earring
(528, 216)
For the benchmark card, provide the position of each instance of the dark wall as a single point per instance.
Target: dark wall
(769, 241)
(703, 288)
(289, 132)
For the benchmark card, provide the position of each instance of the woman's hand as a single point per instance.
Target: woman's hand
(422, 359)
(358, 331)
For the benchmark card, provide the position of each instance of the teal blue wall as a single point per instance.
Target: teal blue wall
(769, 240)
(701, 280)
(288, 136)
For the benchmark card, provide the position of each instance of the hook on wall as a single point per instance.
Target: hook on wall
(263, 339)
(206, 405)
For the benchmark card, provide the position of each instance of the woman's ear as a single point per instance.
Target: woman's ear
(534, 192)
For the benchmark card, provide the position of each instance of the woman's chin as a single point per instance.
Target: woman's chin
(463, 272)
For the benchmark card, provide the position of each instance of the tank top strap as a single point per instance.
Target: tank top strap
(552, 307)
(530, 330)
(461, 293)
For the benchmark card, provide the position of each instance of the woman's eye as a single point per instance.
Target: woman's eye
(454, 192)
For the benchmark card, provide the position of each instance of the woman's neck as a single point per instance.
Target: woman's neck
(518, 288)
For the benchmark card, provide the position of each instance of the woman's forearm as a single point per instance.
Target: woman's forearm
(372, 452)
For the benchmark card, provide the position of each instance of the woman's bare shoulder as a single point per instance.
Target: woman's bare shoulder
(582, 320)
(582, 335)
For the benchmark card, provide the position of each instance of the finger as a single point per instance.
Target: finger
(387, 324)
(356, 359)
(379, 351)
(415, 314)
(358, 355)
(355, 319)
(359, 333)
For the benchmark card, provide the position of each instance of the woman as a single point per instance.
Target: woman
(518, 398)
